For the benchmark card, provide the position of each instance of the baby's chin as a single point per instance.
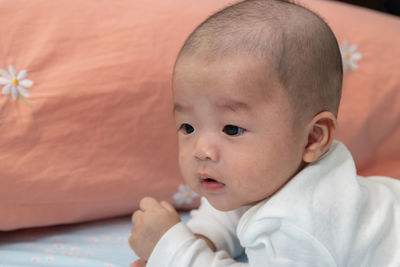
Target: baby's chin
(223, 205)
(226, 205)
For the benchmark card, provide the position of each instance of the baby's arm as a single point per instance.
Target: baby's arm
(208, 239)
(219, 227)
(157, 230)
(180, 247)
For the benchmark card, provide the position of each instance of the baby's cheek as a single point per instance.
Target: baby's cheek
(184, 153)
(183, 164)
(249, 175)
(185, 167)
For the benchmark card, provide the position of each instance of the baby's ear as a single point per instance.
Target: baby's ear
(321, 130)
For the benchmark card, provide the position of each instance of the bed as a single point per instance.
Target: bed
(93, 132)
(99, 243)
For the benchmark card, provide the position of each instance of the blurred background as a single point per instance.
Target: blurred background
(387, 6)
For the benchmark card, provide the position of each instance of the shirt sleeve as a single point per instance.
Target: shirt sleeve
(218, 226)
(179, 247)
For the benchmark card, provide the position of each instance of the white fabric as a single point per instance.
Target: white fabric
(325, 216)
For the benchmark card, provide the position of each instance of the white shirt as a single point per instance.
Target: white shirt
(326, 216)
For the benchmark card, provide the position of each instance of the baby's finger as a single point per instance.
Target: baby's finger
(167, 206)
(136, 216)
(147, 203)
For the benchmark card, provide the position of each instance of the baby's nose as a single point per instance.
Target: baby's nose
(206, 149)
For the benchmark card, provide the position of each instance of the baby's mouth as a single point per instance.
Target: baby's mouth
(208, 180)
(210, 184)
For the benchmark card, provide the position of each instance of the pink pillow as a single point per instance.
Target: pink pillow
(369, 115)
(100, 135)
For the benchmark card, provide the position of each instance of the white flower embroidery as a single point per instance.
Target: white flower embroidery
(350, 56)
(15, 84)
(185, 195)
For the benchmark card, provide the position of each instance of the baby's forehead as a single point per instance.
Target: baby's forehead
(229, 64)
(233, 81)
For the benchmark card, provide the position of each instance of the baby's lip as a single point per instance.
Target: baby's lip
(204, 176)
(207, 177)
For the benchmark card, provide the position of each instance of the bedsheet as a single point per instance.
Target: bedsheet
(98, 243)
(101, 243)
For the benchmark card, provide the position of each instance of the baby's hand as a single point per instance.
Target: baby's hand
(149, 225)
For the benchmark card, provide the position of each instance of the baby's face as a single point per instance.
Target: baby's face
(237, 140)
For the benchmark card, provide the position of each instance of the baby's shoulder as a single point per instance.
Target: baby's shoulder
(386, 187)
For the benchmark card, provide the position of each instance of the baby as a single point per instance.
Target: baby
(256, 94)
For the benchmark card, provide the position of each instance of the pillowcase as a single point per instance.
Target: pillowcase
(369, 114)
(96, 133)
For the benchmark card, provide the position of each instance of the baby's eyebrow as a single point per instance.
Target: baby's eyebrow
(225, 104)
(180, 108)
(233, 105)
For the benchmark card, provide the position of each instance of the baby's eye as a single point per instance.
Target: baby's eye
(233, 130)
(186, 128)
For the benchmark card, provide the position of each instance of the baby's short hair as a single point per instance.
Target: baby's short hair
(298, 44)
